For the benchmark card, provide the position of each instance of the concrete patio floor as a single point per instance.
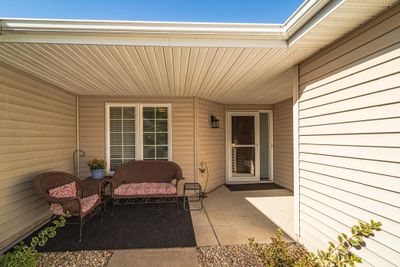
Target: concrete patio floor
(228, 218)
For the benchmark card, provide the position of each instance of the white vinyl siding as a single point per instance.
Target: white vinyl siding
(37, 134)
(283, 143)
(349, 139)
(211, 142)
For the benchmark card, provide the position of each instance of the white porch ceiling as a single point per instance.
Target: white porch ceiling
(231, 75)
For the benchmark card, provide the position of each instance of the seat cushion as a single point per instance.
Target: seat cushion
(87, 203)
(145, 189)
(66, 190)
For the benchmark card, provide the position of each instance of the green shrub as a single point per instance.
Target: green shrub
(28, 256)
(277, 254)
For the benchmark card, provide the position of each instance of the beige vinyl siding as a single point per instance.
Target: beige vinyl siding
(37, 134)
(349, 117)
(283, 143)
(211, 142)
(92, 129)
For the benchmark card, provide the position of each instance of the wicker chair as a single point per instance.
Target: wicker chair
(76, 205)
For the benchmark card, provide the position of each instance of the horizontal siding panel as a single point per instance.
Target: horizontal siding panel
(37, 123)
(383, 140)
(369, 113)
(382, 84)
(379, 167)
(364, 76)
(357, 175)
(389, 197)
(371, 153)
(375, 99)
(380, 209)
(390, 125)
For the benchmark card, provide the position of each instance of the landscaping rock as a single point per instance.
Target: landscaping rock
(94, 258)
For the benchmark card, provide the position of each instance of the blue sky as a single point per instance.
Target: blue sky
(250, 11)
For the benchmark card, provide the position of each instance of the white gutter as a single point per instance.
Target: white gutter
(158, 33)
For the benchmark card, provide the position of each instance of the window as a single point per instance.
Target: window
(136, 131)
(155, 133)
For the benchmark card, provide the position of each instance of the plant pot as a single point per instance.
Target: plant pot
(97, 174)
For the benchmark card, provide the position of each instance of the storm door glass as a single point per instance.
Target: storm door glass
(243, 146)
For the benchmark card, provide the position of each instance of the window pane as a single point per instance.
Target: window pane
(162, 152)
(162, 126)
(148, 113)
(115, 125)
(115, 113)
(129, 139)
(129, 152)
(114, 164)
(122, 136)
(129, 113)
(149, 139)
(162, 138)
(116, 151)
(115, 139)
(155, 133)
(129, 126)
(162, 113)
(149, 152)
(148, 125)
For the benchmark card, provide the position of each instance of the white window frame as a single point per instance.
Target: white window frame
(138, 128)
(169, 123)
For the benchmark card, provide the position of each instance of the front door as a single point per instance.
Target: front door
(243, 147)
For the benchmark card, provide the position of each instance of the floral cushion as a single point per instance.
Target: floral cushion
(145, 189)
(87, 203)
(66, 190)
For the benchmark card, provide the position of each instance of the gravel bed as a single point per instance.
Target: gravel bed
(236, 255)
(94, 258)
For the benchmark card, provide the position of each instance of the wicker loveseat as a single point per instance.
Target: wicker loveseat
(146, 181)
(67, 194)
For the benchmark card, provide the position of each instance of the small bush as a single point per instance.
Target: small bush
(28, 256)
(277, 254)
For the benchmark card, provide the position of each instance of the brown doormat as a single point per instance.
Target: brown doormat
(252, 187)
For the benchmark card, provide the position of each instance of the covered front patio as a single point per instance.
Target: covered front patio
(224, 96)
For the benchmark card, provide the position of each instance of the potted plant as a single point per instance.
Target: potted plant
(97, 166)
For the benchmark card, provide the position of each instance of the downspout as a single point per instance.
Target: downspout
(195, 137)
(77, 136)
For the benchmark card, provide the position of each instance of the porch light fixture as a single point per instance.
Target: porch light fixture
(214, 122)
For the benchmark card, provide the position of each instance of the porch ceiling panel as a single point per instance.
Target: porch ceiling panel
(217, 73)
(240, 64)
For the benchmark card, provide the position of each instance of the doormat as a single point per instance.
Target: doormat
(252, 187)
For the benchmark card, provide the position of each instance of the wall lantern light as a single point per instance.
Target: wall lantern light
(214, 122)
